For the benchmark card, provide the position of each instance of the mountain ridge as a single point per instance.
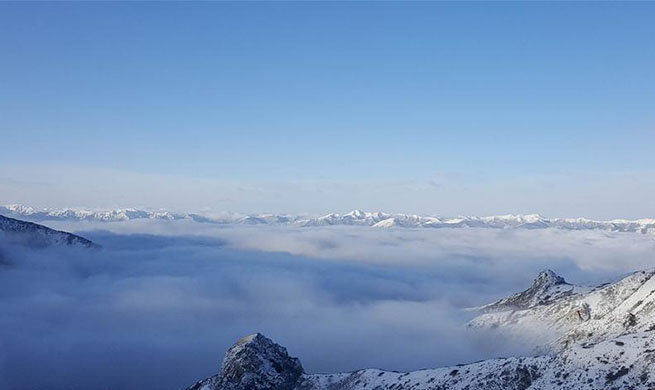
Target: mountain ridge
(33, 234)
(353, 218)
(612, 347)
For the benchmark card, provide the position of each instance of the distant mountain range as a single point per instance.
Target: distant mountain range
(603, 338)
(35, 235)
(356, 217)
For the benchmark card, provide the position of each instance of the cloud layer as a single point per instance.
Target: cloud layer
(153, 311)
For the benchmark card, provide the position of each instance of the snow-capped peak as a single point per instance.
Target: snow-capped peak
(20, 209)
(356, 214)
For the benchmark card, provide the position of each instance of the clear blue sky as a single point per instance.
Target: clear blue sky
(284, 93)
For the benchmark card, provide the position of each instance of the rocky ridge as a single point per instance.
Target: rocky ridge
(603, 338)
(35, 235)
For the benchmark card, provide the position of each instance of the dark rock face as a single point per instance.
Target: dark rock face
(257, 363)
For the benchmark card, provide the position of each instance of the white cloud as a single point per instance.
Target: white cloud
(159, 310)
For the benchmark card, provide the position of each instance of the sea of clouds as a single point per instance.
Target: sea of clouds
(157, 306)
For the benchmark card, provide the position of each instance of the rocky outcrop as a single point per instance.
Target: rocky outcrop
(255, 363)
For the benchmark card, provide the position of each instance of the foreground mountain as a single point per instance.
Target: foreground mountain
(354, 218)
(602, 338)
(34, 235)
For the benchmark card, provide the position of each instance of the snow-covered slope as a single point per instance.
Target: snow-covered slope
(604, 339)
(576, 314)
(356, 217)
(32, 234)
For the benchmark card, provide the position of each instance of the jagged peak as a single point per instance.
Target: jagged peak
(356, 213)
(547, 287)
(547, 278)
(256, 362)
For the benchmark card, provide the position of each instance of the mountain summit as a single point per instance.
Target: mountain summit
(547, 287)
(547, 278)
(255, 362)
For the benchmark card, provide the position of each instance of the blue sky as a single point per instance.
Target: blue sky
(482, 99)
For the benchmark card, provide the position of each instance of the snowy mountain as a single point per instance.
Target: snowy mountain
(39, 215)
(35, 235)
(604, 338)
(577, 314)
(353, 218)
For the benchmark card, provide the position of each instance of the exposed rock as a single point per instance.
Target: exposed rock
(255, 363)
